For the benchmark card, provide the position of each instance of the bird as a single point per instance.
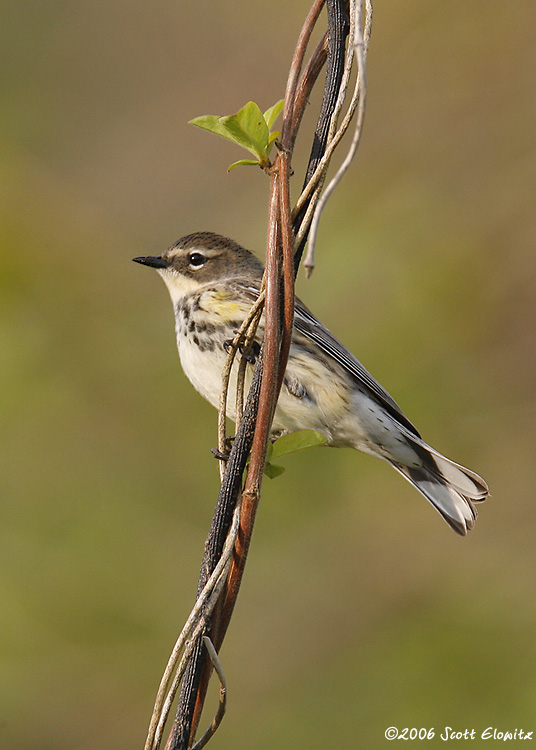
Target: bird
(213, 281)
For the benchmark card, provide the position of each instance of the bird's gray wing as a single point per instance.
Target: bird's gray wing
(306, 323)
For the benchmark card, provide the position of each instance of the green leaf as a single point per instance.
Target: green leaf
(244, 163)
(213, 125)
(248, 128)
(271, 115)
(297, 441)
(235, 128)
(273, 470)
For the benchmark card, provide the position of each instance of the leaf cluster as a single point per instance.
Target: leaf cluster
(250, 128)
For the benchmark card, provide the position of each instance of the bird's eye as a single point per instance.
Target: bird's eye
(197, 259)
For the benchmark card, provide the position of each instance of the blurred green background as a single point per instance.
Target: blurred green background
(360, 609)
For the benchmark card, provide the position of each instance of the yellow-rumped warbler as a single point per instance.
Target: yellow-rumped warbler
(213, 282)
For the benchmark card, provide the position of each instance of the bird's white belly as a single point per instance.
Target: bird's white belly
(203, 368)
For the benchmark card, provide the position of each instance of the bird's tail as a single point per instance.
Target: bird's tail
(451, 488)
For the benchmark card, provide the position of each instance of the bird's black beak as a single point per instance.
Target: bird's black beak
(155, 261)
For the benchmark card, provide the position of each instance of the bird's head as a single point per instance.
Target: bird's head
(200, 259)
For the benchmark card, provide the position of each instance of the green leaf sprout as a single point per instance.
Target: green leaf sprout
(249, 128)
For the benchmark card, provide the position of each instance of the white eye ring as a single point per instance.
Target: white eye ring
(196, 260)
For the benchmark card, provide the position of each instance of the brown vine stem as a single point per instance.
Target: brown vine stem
(306, 83)
(267, 399)
(280, 225)
(253, 431)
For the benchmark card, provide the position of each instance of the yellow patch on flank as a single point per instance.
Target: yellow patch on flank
(220, 303)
